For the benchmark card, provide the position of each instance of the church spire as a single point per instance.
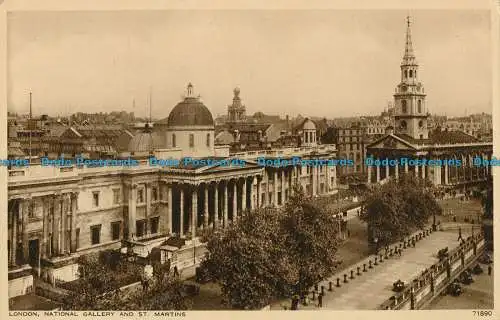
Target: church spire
(409, 56)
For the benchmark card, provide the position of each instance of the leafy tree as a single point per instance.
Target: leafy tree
(397, 208)
(310, 240)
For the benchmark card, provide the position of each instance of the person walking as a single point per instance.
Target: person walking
(320, 300)
(460, 234)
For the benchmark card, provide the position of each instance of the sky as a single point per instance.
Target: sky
(324, 63)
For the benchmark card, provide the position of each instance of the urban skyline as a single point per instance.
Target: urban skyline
(369, 48)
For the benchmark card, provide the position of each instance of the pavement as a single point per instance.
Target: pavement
(371, 288)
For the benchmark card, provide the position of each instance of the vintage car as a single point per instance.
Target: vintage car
(398, 286)
(477, 269)
(455, 289)
(466, 277)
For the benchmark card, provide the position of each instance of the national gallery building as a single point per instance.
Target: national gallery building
(57, 214)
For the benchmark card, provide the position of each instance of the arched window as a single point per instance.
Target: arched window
(208, 139)
(191, 140)
(403, 124)
(403, 106)
(174, 142)
(306, 137)
(420, 123)
(419, 106)
(411, 73)
(406, 73)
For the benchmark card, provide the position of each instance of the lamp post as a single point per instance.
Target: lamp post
(434, 227)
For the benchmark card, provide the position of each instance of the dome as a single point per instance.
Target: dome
(190, 112)
(144, 142)
(308, 125)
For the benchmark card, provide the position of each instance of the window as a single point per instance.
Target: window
(32, 210)
(403, 106)
(411, 73)
(420, 123)
(117, 196)
(155, 222)
(306, 138)
(406, 73)
(403, 124)
(140, 227)
(191, 140)
(95, 234)
(174, 142)
(95, 198)
(77, 238)
(140, 196)
(419, 106)
(208, 139)
(421, 136)
(115, 230)
(154, 193)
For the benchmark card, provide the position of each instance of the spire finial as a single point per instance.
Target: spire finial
(408, 22)
(409, 57)
(190, 90)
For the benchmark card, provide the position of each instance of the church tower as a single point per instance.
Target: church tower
(236, 112)
(411, 114)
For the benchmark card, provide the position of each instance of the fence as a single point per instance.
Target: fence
(434, 280)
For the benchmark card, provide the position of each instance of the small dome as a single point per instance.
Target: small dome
(144, 142)
(190, 112)
(308, 125)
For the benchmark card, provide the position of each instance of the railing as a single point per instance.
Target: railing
(434, 280)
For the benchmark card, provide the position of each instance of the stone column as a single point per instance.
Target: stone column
(205, 208)
(406, 167)
(74, 199)
(13, 245)
(275, 186)
(181, 227)
(396, 170)
(216, 205)
(387, 172)
(132, 201)
(327, 175)
(56, 231)
(314, 180)
(446, 172)
(45, 227)
(258, 196)
(416, 171)
(251, 195)
(64, 225)
(24, 211)
(194, 212)
(266, 189)
(369, 169)
(147, 213)
(226, 200)
(283, 194)
(235, 201)
(169, 209)
(423, 171)
(244, 195)
(378, 173)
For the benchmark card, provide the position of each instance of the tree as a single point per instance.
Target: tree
(273, 253)
(311, 240)
(397, 208)
(249, 260)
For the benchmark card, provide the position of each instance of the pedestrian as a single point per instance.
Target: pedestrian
(460, 234)
(489, 269)
(399, 252)
(320, 300)
(176, 271)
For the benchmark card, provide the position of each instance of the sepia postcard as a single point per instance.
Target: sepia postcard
(166, 158)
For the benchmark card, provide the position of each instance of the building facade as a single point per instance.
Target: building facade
(453, 152)
(59, 213)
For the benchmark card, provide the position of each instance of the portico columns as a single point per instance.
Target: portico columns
(216, 205)
(181, 227)
(45, 226)
(406, 167)
(13, 245)
(226, 200)
(369, 169)
(378, 173)
(387, 173)
(283, 196)
(251, 195)
(147, 212)
(396, 170)
(275, 186)
(416, 170)
(169, 208)
(56, 225)
(235, 201)
(244, 195)
(205, 212)
(132, 198)
(194, 212)
(74, 199)
(446, 172)
(24, 236)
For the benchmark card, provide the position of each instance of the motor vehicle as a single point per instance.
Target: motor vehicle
(455, 289)
(190, 288)
(398, 286)
(466, 277)
(477, 269)
(485, 259)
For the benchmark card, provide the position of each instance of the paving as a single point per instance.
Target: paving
(371, 288)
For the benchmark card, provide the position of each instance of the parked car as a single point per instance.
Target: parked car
(398, 286)
(466, 277)
(477, 269)
(455, 289)
(190, 289)
(485, 259)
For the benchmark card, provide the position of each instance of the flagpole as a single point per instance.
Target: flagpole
(30, 130)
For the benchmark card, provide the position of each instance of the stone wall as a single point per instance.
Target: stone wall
(20, 286)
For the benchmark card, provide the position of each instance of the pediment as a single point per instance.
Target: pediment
(391, 142)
